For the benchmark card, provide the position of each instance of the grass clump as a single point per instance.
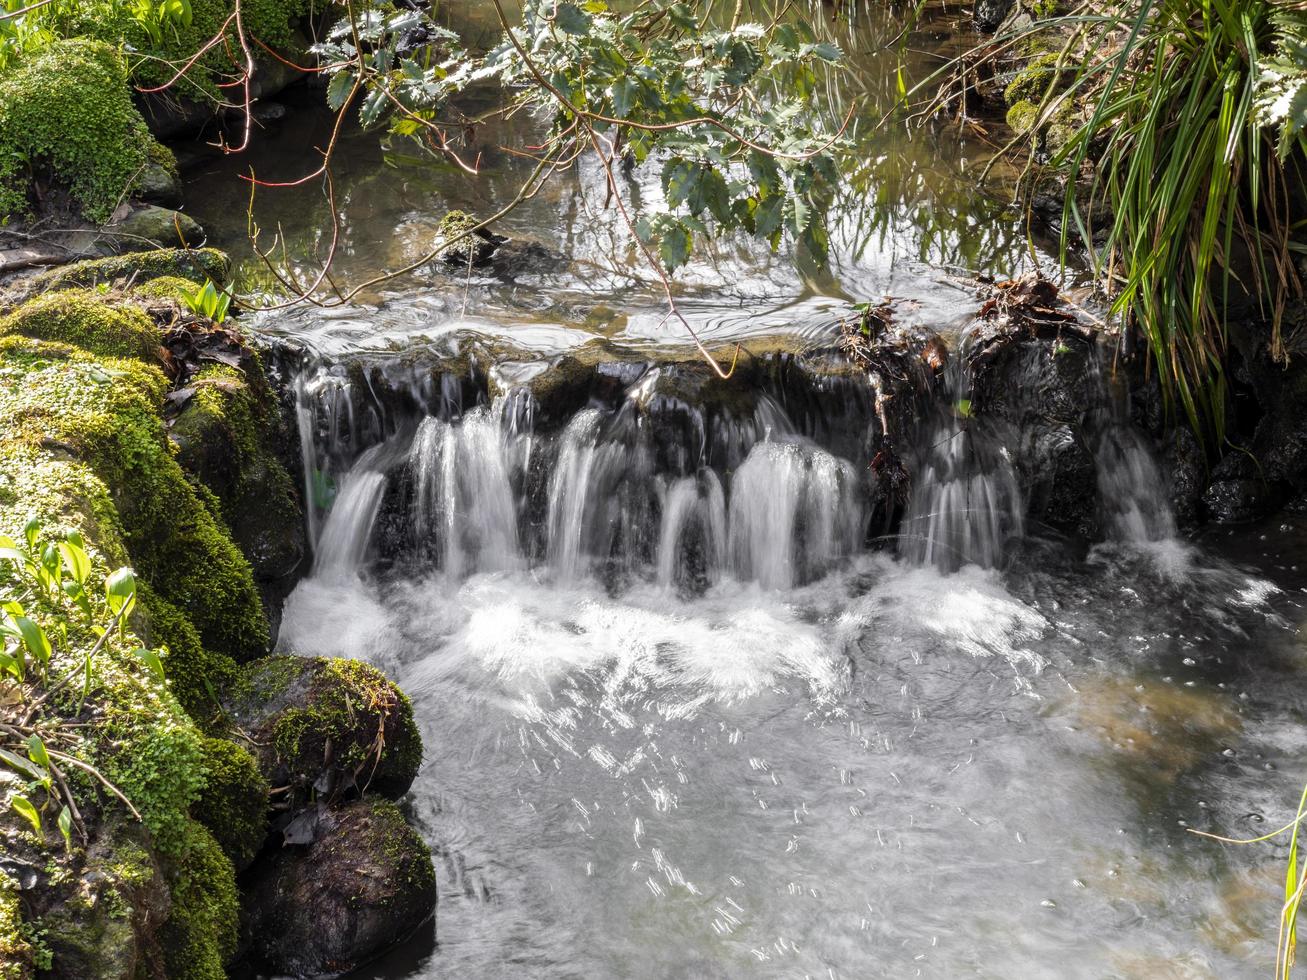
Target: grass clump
(1173, 136)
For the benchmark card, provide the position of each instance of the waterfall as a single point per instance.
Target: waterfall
(348, 528)
(568, 488)
(1131, 490)
(692, 532)
(463, 495)
(965, 502)
(793, 512)
(326, 425)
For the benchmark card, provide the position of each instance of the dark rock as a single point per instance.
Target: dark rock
(150, 227)
(1044, 391)
(365, 883)
(326, 727)
(159, 185)
(988, 15)
(1188, 475)
(1238, 501)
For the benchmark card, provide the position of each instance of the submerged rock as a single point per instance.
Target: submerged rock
(328, 726)
(151, 227)
(364, 884)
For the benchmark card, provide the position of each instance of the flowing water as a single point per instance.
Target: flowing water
(680, 723)
(685, 715)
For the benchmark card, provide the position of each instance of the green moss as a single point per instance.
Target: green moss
(164, 288)
(311, 713)
(337, 696)
(195, 674)
(388, 833)
(1022, 116)
(200, 935)
(16, 953)
(84, 319)
(194, 265)
(223, 437)
(68, 109)
(1032, 83)
(106, 413)
(116, 21)
(234, 801)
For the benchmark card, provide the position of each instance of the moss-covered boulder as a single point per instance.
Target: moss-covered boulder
(66, 113)
(137, 268)
(89, 321)
(105, 412)
(233, 803)
(227, 435)
(327, 725)
(200, 936)
(96, 915)
(363, 885)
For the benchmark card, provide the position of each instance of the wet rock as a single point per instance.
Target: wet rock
(159, 185)
(1238, 501)
(150, 227)
(365, 883)
(229, 433)
(1043, 390)
(326, 727)
(988, 15)
(1188, 475)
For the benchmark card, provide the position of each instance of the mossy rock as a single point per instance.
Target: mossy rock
(1022, 116)
(155, 227)
(106, 413)
(67, 109)
(17, 958)
(191, 264)
(1039, 78)
(363, 885)
(234, 801)
(316, 723)
(225, 436)
(95, 912)
(164, 289)
(87, 320)
(200, 936)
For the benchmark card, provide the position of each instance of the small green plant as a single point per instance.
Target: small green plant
(38, 665)
(207, 301)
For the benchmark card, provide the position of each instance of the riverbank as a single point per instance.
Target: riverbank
(151, 435)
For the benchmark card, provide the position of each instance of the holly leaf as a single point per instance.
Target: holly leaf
(571, 19)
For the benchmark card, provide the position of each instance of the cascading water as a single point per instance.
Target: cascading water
(348, 528)
(674, 689)
(965, 503)
(1131, 490)
(794, 511)
(692, 536)
(462, 497)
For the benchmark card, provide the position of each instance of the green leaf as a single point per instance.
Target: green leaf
(623, 93)
(120, 591)
(153, 662)
(75, 560)
(963, 408)
(674, 246)
(36, 751)
(25, 766)
(34, 638)
(373, 106)
(66, 827)
(23, 807)
(571, 19)
(767, 219)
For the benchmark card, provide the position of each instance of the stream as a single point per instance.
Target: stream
(686, 714)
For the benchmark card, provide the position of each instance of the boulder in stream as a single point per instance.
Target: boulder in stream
(326, 726)
(364, 884)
